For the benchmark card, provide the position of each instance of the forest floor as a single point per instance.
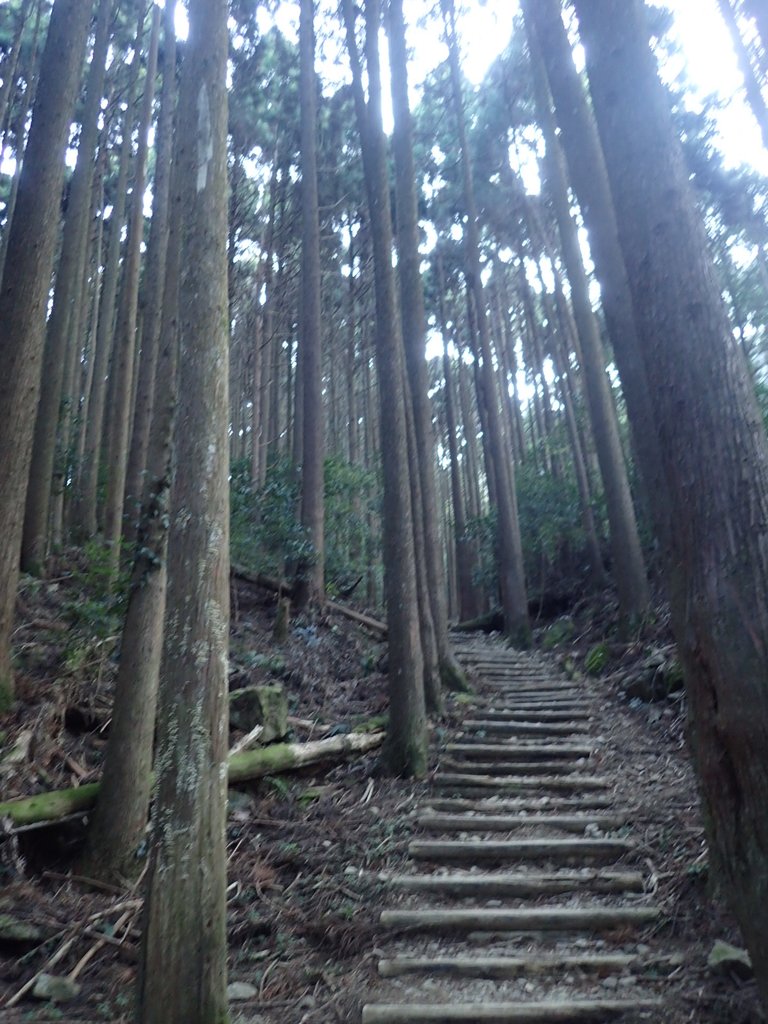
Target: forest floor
(308, 851)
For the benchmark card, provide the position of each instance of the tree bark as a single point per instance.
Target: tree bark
(86, 500)
(406, 735)
(311, 579)
(628, 564)
(587, 172)
(10, 63)
(467, 598)
(155, 280)
(511, 570)
(752, 85)
(757, 10)
(24, 291)
(414, 340)
(117, 826)
(183, 977)
(713, 450)
(66, 295)
(126, 336)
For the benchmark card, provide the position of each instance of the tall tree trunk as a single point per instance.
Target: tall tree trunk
(414, 340)
(467, 600)
(88, 370)
(713, 449)
(588, 175)
(87, 497)
(628, 564)
(11, 60)
(596, 568)
(157, 249)
(118, 823)
(757, 10)
(406, 735)
(311, 581)
(183, 978)
(430, 657)
(67, 294)
(24, 291)
(752, 85)
(511, 570)
(33, 74)
(126, 341)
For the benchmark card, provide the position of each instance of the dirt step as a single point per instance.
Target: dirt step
(509, 784)
(508, 822)
(473, 850)
(494, 805)
(550, 1012)
(501, 968)
(521, 884)
(469, 766)
(527, 705)
(535, 919)
(522, 752)
(523, 728)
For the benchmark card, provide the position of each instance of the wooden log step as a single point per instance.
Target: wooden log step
(510, 784)
(549, 1012)
(526, 682)
(508, 823)
(506, 715)
(518, 849)
(502, 968)
(530, 919)
(518, 704)
(521, 752)
(521, 884)
(526, 728)
(495, 805)
(538, 692)
(498, 767)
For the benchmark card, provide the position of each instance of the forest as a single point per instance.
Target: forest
(383, 512)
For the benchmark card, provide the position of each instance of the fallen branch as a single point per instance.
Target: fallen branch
(374, 625)
(243, 766)
(283, 587)
(247, 741)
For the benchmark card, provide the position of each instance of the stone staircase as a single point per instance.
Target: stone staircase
(527, 900)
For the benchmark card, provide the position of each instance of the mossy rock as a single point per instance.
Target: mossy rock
(558, 632)
(260, 705)
(727, 959)
(597, 659)
(673, 676)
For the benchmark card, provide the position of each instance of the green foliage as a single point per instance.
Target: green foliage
(268, 537)
(350, 494)
(562, 629)
(482, 529)
(266, 533)
(596, 659)
(550, 517)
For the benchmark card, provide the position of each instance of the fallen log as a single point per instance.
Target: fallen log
(380, 628)
(491, 622)
(243, 767)
(283, 587)
(260, 579)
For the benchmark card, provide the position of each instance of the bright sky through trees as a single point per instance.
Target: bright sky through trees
(706, 51)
